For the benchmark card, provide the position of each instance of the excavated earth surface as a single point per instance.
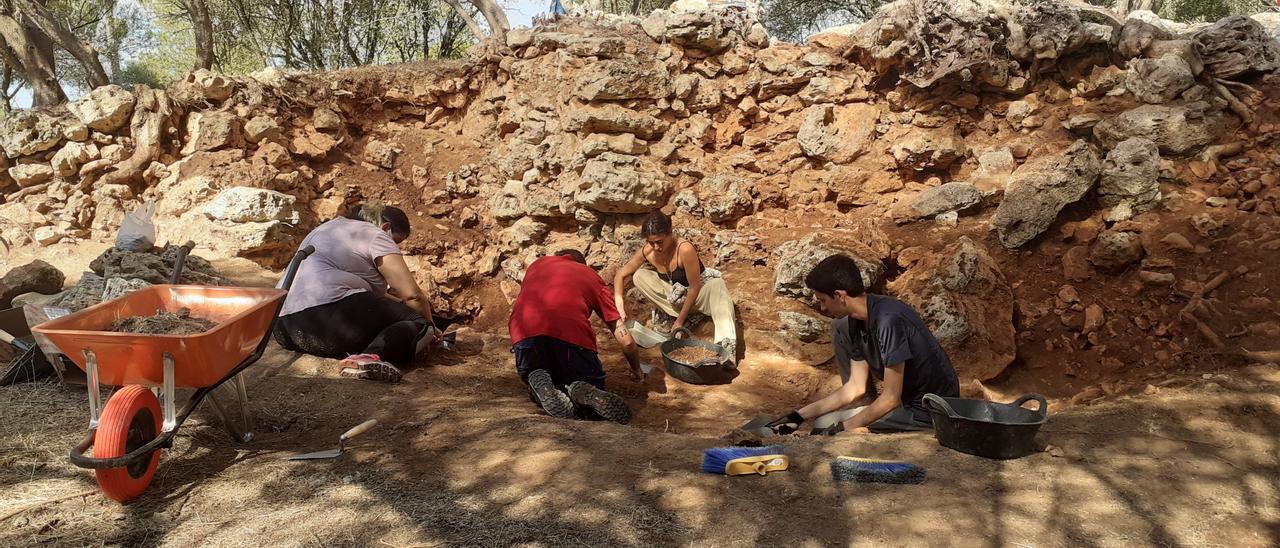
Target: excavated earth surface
(1146, 324)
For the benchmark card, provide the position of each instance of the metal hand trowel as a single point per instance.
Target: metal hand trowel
(342, 443)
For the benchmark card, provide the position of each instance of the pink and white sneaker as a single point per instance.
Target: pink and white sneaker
(370, 367)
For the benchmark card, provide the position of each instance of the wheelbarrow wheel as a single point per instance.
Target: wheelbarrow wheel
(130, 420)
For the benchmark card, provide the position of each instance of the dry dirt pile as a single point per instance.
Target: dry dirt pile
(1091, 201)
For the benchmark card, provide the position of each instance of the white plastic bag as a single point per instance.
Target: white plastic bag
(137, 232)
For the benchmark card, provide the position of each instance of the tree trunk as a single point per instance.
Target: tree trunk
(493, 14)
(202, 25)
(56, 31)
(466, 17)
(35, 55)
(150, 120)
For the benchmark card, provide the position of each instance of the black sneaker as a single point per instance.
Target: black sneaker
(608, 405)
(552, 400)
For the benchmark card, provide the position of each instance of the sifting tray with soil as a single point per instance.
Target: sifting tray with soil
(164, 323)
(691, 354)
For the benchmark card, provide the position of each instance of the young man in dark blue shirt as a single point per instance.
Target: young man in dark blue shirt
(872, 335)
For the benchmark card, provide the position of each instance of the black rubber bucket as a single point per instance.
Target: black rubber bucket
(708, 371)
(986, 428)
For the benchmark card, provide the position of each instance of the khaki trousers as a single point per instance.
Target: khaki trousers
(713, 300)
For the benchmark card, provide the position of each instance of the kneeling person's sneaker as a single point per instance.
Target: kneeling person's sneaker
(608, 405)
(552, 400)
(370, 367)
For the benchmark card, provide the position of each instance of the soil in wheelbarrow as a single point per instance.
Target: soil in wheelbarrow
(164, 323)
(691, 354)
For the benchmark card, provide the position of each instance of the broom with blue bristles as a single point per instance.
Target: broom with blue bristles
(875, 471)
(740, 461)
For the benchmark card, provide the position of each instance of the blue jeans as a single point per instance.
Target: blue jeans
(565, 362)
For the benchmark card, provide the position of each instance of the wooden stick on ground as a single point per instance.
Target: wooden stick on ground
(35, 505)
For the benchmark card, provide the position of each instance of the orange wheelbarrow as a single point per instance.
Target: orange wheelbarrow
(128, 435)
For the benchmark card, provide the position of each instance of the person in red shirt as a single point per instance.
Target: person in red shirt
(554, 343)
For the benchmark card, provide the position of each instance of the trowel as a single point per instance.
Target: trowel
(342, 443)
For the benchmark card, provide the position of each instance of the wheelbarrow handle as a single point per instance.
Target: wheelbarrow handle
(1043, 409)
(293, 264)
(935, 402)
(181, 261)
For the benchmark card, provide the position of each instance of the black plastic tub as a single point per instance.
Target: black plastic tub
(986, 428)
(709, 371)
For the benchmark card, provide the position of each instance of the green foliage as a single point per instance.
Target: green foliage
(1192, 11)
(795, 20)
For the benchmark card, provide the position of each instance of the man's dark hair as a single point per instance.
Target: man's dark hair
(377, 214)
(836, 273)
(656, 224)
(572, 254)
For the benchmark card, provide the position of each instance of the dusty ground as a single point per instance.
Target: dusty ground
(461, 457)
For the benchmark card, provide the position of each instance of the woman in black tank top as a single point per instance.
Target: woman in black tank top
(663, 262)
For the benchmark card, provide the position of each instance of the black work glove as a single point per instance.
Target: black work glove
(786, 424)
(828, 431)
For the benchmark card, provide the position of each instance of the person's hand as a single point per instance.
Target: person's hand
(636, 374)
(830, 430)
(677, 325)
(436, 334)
(786, 424)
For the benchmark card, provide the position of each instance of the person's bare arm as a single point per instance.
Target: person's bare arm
(847, 394)
(689, 258)
(620, 283)
(889, 399)
(400, 280)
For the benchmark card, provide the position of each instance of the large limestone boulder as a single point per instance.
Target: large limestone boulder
(1040, 189)
(838, 134)
(721, 198)
(381, 154)
(945, 198)
(269, 242)
(178, 195)
(24, 132)
(994, 169)
(262, 128)
(967, 303)
(620, 80)
(251, 205)
(31, 174)
(922, 151)
(615, 119)
(868, 247)
(1237, 46)
(1159, 80)
(212, 86)
(1175, 130)
(1130, 174)
(1114, 250)
(67, 161)
(105, 109)
(616, 183)
(209, 131)
(37, 276)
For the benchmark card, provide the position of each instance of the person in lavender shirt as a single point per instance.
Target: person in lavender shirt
(355, 298)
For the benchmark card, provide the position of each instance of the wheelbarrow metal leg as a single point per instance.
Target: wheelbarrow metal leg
(242, 396)
(242, 430)
(167, 395)
(95, 394)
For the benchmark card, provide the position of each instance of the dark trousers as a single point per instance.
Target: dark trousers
(565, 362)
(362, 323)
